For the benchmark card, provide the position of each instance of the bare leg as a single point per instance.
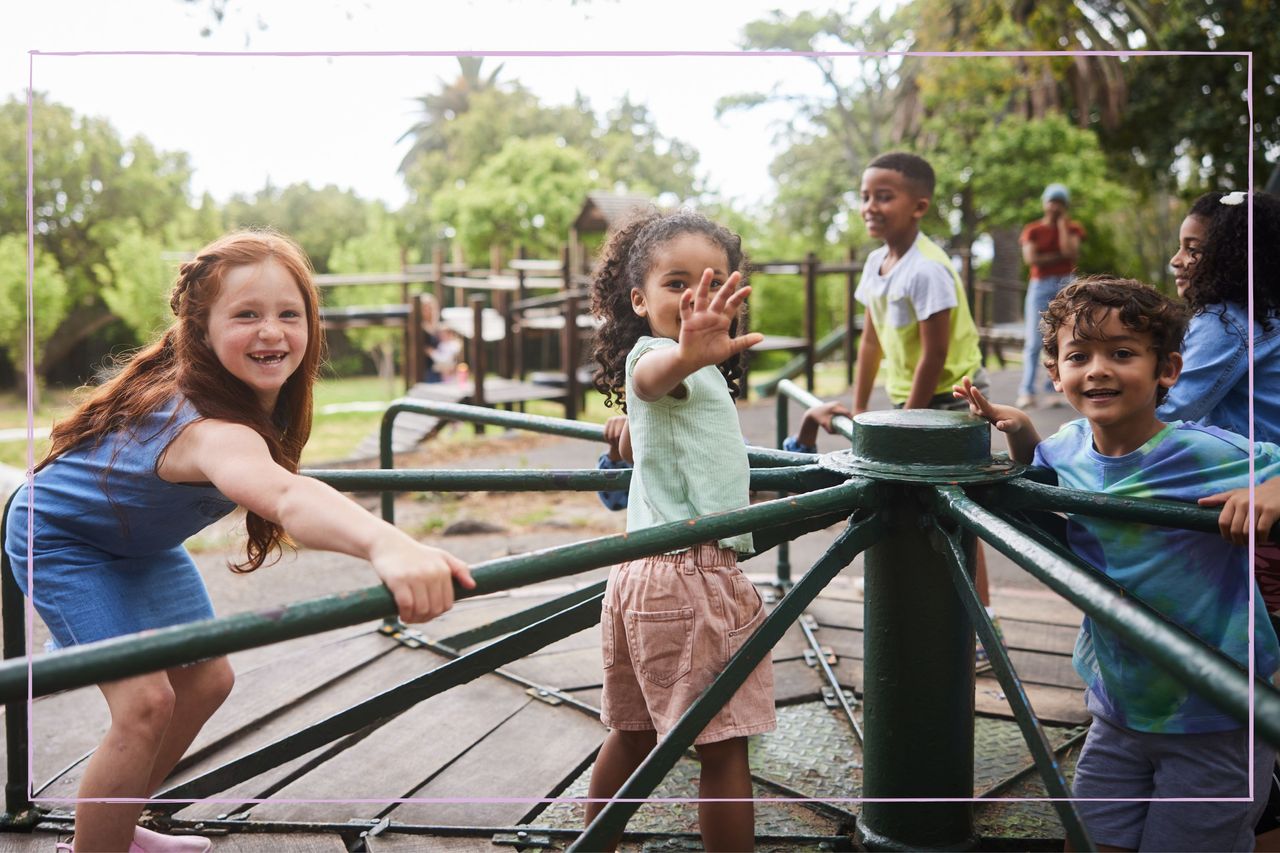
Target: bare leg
(980, 576)
(141, 709)
(199, 690)
(619, 757)
(726, 775)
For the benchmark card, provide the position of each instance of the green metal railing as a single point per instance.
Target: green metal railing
(918, 489)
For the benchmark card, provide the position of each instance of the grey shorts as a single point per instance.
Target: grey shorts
(1157, 770)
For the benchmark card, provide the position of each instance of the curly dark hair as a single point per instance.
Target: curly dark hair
(624, 264)
(1222, 273)
(1085, 303)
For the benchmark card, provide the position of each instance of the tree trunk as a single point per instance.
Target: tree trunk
(75, 327)
(1006, 276)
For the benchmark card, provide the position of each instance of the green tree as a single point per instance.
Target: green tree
(832, 131)
(137, 280)
(527, 194)
(453, 145)
(319, 219)
(49, 293)
(87, 180)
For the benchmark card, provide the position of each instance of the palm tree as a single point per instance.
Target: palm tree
(452, 100)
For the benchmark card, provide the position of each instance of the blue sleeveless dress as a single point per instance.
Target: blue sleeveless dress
(107, 552)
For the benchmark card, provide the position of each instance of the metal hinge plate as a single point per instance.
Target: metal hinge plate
(828, 654)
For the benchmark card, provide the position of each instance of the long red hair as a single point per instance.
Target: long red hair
(182, 362)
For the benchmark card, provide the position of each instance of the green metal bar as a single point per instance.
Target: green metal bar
(17, 785)
(1203, 669)
(523, 619)
(382, 707)
(609, 823)
(917, 692)
(786, 388)
(759, 457)
(784, 548)
(135, 654)
(1022, 494)
(1041, 751)
(796, 478)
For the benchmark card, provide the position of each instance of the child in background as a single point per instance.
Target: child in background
(1112, 347)
(667, 293)
(212, 415)
(917, 317)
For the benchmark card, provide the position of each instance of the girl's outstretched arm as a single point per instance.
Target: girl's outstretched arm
(235, 459)
(704, 338)
(1014, 423)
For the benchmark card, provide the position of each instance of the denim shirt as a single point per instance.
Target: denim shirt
(1213, 389)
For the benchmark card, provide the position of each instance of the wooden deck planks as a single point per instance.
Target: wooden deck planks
(402, 755)
(533, 754)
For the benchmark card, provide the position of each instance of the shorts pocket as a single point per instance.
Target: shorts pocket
(744, 591)
(661, 644)
(606, 634)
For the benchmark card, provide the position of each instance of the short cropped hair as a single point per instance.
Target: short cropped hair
(1085, 302)
(912, 166)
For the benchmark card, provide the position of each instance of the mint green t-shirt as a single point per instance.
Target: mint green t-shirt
(690, 459)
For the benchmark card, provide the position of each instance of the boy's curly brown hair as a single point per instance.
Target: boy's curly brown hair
(1085, 303)
(623, 266)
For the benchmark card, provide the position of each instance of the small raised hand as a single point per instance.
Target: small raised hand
(705, 318)
(1016, 425)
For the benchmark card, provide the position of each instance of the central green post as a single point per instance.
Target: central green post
(918, 644)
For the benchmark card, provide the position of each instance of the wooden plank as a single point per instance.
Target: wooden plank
(1034, 605)
(64, 727)
(1058, 705)
(571, 669)
(836, 613)
(399, 757)
(794, 681)
(265, 691)
(279, 842)
(1044, 668)
(1039, 636)
(403, 842)
(400, 665)
(532, 754)
(38, 841)
(233, 800)
(589, 696)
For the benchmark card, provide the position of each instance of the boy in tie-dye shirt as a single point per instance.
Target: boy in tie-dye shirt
(1112, 347)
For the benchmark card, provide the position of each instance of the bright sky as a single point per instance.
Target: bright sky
(336, 119)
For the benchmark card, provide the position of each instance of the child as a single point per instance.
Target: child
(213, 415)
(1050, 246)
(917, 316)
(667, 293)
(1112, 347)
(1211, 270)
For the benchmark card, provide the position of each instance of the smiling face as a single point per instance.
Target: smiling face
(1190, 246)
(677, 266)
(1112, 380)
(257, 327)
(891, 206)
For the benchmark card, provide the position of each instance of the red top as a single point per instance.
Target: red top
(1044, 237)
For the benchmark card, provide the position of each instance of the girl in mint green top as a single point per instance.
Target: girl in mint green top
(668, 294)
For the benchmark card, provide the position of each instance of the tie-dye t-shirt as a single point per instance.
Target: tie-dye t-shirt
(1199, 580)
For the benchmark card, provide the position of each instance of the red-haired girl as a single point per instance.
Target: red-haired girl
(213, 415)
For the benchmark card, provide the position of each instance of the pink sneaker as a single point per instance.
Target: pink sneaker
(147, 841)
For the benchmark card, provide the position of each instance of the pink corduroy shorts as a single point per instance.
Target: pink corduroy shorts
(669, 625)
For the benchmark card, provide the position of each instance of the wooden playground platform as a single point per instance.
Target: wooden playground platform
(480, 759)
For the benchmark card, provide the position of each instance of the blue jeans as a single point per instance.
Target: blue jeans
(1039, 292)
